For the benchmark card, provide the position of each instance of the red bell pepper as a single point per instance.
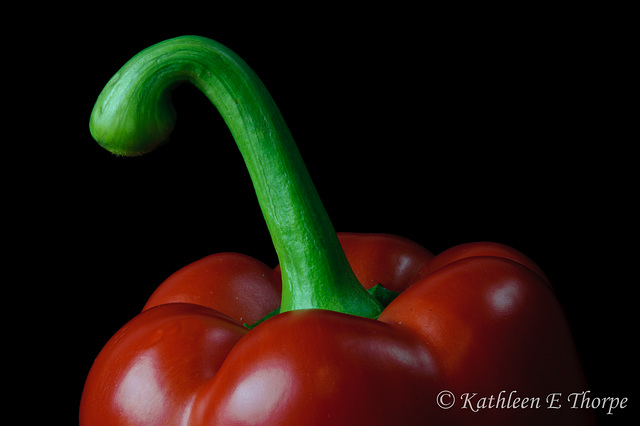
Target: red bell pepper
(474, 335)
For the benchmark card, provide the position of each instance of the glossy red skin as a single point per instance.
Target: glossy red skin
(322, 368)
(238, 285)
(462, 251)
(150, 370)
(475, 324)
(387, 259)
(495, 325)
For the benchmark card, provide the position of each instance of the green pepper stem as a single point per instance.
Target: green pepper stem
(133, 115)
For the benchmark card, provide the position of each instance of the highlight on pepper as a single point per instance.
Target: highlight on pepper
(348, 328)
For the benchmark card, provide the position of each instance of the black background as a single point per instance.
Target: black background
(441, 126)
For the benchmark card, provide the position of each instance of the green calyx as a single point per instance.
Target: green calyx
(382, 295)
(134, 115)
